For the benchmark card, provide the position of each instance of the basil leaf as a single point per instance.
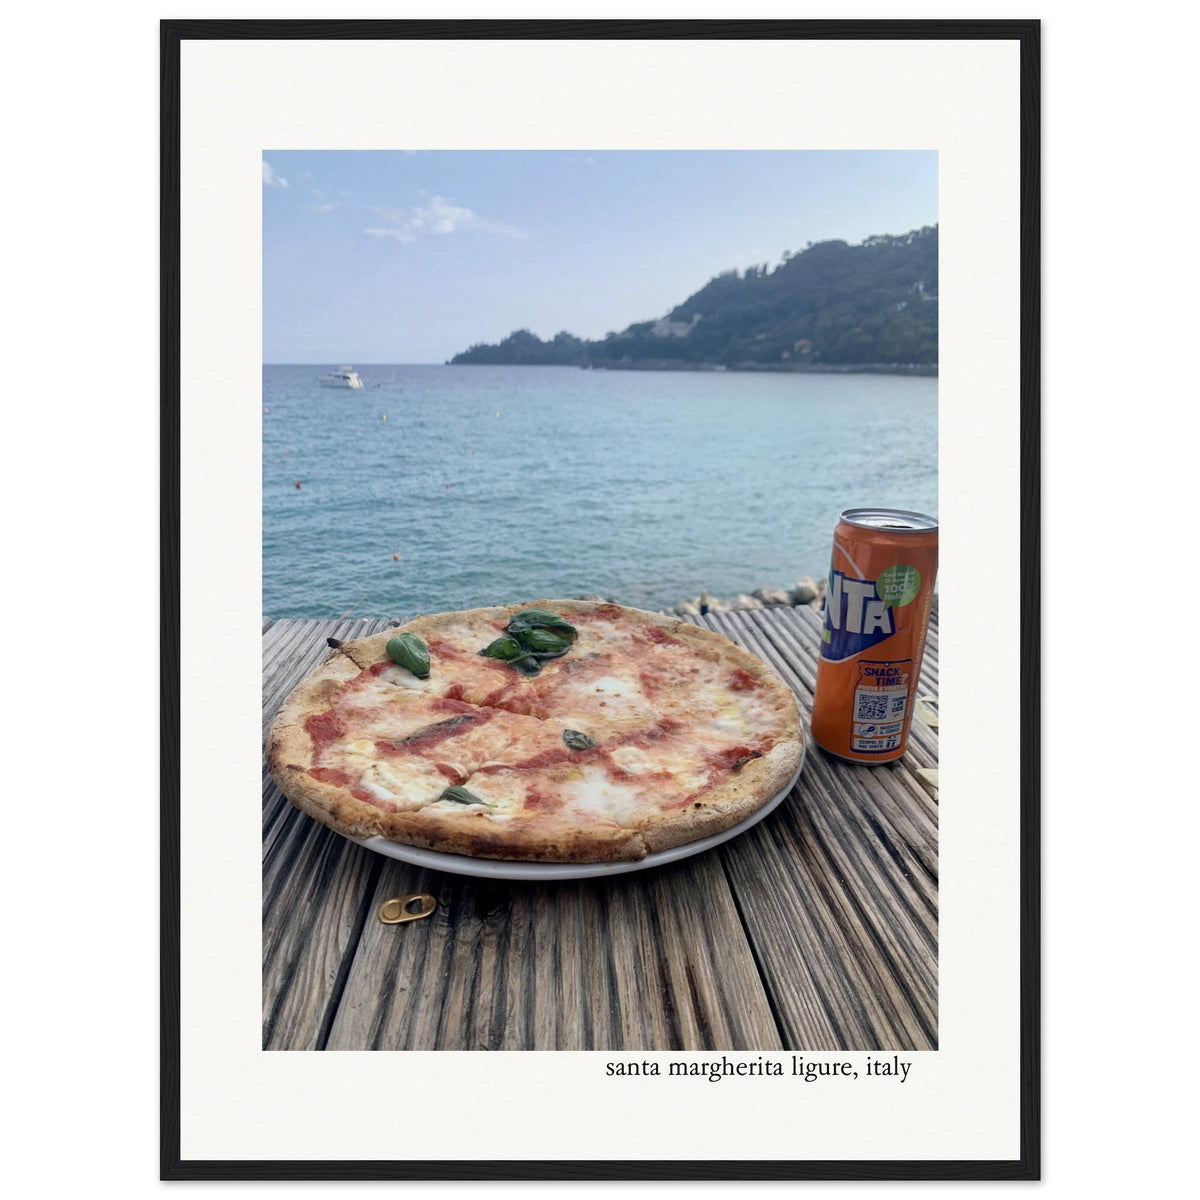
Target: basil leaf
(577, 740)
(410, 652)
(504, 647)
(460, 795)
(544, 642)
(540, 618)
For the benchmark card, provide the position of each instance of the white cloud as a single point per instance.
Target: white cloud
(438, 216)
(270, 179)
(321, 210)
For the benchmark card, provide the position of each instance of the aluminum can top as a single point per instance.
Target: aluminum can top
(895, 520)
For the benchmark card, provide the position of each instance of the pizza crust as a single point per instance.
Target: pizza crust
(475, 835)
(729, 803)
(564, 836)
(288, 741)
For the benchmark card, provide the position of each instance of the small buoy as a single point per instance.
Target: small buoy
(297, 485)
(497, 414)
(395, 558)
(385, 416)
(266, 410)
(447, 487)
(472, 451)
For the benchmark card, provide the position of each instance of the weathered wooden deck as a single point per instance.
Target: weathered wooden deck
(814, 930)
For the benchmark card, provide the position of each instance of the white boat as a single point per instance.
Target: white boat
(343, 377)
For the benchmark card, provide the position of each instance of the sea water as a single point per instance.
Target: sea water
(439, 487)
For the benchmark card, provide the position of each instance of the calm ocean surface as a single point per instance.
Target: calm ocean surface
(500, 484)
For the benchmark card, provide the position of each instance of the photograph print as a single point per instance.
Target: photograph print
(600, 604)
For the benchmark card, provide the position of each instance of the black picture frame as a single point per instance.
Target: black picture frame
(173, 34)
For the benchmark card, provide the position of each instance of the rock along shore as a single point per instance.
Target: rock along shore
(806, 593)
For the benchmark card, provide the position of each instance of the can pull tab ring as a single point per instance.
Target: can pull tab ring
(412, 907)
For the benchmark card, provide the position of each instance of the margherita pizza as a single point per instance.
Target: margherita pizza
(560, 731)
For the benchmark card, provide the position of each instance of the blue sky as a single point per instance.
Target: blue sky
(403, 257)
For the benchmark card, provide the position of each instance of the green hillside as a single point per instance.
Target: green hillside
(832, 306)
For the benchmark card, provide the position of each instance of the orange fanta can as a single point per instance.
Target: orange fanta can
(877, 608)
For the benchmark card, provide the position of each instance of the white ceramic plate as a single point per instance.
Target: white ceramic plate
(487, 868)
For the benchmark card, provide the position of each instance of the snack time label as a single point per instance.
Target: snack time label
(861, 613)
(880, 699)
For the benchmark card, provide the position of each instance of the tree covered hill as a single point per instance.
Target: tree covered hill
(831, 306)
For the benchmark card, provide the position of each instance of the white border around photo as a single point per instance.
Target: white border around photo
(959, 98)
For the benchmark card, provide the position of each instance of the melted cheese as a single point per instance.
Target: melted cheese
(401, 677)
(676, 758)
(409, 784)
(585, 696)
(634, 759)
(590, 792)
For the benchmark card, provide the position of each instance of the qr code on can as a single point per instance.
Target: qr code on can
(870, 706)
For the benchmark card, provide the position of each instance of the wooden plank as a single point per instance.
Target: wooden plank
(654, 960)
(843, 969)
(315, 888)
